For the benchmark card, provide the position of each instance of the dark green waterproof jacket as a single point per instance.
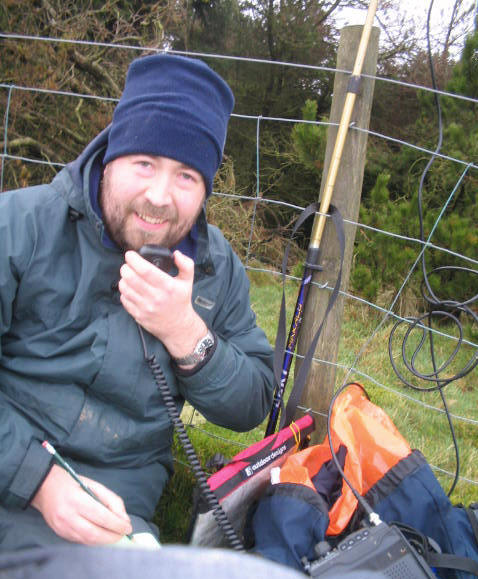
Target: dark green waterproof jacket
(72, 366)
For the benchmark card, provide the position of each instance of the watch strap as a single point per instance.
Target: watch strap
(200, 353)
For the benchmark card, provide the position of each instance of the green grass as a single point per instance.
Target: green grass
(409, 409)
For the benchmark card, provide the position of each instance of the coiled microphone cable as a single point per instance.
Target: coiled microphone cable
(201, 478)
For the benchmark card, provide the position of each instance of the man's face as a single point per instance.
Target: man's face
(149, 199)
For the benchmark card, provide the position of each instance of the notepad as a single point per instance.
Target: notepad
(140, 541)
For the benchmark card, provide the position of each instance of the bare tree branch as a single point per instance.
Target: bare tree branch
(95, 70)
(30, 143)
(328, 12)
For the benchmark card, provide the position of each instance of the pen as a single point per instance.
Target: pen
(62, 462)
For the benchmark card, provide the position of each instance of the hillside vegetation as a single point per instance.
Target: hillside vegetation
(56, 127)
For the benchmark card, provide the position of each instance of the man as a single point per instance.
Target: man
(73, 290)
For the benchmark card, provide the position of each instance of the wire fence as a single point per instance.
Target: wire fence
(352, 365)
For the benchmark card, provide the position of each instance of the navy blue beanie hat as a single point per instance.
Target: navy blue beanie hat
(173, 107)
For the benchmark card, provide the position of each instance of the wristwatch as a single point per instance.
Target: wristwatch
(202, 349)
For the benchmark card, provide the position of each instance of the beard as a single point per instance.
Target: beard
(121, 225)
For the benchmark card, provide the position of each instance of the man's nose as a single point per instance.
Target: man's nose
(159, 189)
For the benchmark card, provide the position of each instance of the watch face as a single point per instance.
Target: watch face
(200, 352)
(206, 345)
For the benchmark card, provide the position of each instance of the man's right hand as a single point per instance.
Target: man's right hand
(74, 515)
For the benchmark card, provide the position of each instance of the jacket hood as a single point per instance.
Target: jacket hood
(76, 167)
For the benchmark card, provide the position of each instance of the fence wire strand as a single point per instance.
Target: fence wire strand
(258, 198)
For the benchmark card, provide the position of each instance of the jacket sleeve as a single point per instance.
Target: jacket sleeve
(24, 462)
(234, 388)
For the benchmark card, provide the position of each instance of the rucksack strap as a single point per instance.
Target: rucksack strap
(445, 561)
(430, 551)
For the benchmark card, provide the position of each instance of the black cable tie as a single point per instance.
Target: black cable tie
(354, 84)
(314, 266)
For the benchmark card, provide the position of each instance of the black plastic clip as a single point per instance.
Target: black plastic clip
(354, 84)
(74, 215)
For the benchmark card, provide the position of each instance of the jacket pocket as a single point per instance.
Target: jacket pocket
(117, 378)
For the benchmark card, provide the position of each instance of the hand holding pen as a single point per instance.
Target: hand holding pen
(69, 511)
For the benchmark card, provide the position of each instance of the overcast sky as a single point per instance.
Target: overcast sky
(417, 10)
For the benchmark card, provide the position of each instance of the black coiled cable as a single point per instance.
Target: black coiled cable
(438, 383)
(201, 478)
(438, 309)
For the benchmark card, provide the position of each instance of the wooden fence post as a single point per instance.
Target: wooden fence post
(346, 197)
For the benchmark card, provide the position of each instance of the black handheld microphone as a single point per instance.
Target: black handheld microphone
(158, 255)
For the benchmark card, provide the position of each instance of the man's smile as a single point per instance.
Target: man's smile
(150, 219)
